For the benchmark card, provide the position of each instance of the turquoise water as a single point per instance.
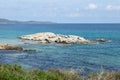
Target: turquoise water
(88, 58)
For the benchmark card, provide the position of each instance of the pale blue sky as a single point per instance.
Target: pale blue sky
(62, 11)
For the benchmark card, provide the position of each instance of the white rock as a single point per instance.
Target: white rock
(49, 37)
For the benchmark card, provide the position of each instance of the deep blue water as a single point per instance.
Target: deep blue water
(78, 56)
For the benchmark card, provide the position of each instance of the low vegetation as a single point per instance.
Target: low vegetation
(15, 72)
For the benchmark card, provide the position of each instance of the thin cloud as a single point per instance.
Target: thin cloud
(91, 6)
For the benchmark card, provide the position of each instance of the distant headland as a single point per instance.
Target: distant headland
(7, 21)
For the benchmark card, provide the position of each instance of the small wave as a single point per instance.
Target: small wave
(16, 55)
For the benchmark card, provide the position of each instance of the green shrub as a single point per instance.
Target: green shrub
(15, 72)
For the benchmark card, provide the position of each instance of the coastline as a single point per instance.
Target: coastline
(89, 57)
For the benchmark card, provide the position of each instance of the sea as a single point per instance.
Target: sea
(85, 58)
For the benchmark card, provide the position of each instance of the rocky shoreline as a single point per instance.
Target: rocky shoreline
(49, 37)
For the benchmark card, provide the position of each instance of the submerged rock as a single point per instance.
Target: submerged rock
(102, 40)
(49, 37)
(29, 50)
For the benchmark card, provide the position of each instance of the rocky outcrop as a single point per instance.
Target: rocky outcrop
(9, 47)
(49, 37)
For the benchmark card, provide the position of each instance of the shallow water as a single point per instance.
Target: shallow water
(78, 56)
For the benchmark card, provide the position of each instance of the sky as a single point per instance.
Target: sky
(62, 11)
